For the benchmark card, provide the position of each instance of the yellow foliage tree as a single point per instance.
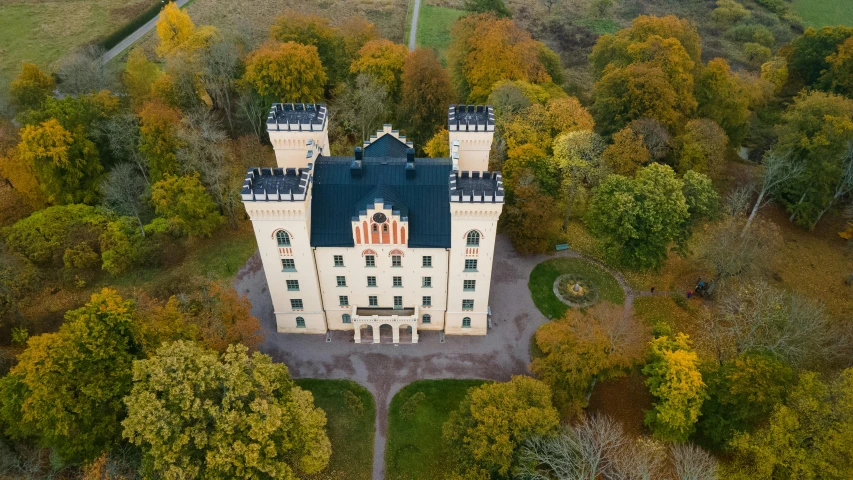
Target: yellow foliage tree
(176, 30)
(439, 145)
(286, 72)
(139, 76)
(384, 60)
(568, 115)
(627, 153)
(31, 87)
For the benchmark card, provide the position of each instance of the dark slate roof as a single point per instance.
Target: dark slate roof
(338, 196)
(386, 146)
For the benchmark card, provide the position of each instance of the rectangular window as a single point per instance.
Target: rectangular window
(426, 282)
(398, 302)
(296, 303)
(371, 281)
(427, 301)
(469, 285)
(293, 285)
(369, 261)
(339, 260)
(373, 301)
(427, 261)
(467, 304)
(342, 281)
(466, 322)
(427, 318)
(288, 264)
(471, 265)
(343, 300)
(300, 322)
(396, 261)
(346, 318)
(398, 281)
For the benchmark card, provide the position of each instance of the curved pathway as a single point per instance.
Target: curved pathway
(384, 368)
(413, 31)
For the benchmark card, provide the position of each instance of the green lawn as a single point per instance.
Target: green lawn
(434, 27)
(821, 13)
(415, 449)
(351, 415)
(542, 278)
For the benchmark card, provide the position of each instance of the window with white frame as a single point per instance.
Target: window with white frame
(427, 318)
(473, 239)
(296, 303)
(469, 285)
(282, 238)
(427, 301)
(373, 301)
(293, 285)
(369, 260)
(426, 262)
(467, 304)
(288, 264)
(471, 265)
(371, 281)
(300, 322)
(343, 300)
(426, 282)
(396, 261)
(341, 281)
(346, 318)
(398, 281)
(466, 322)
(398, 302)
(339, 260)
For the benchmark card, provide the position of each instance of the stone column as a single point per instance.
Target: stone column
(357, 331)
(375, 328)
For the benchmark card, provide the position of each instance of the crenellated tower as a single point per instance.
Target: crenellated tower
(471, 129)
(299, 133)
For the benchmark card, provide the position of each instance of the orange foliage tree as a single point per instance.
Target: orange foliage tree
(224, 318)
(286, 72)
(427, 92)
(384, 60)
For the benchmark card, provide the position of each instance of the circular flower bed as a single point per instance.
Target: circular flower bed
(575, 290)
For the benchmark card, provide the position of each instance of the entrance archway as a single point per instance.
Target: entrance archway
(386, 333)
(366, 332)
(405, 334)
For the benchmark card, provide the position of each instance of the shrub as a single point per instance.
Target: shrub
(751, 33)
(354, 404)
(756, 53)
(411, 405)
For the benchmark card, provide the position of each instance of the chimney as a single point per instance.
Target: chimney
(358, 153)
(410, 163)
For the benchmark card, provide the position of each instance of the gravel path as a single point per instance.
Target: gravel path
(384, 368)
(133, 37)
(413, 32)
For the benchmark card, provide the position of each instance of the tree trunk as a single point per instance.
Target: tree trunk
(754, 211)
(794, 215)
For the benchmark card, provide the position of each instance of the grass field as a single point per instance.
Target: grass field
(434, 27)
(351, 416)
(415, 449)
(43, 31)
(819, 13)
(542, 278)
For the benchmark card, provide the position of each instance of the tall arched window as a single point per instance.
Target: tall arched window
(473, 238)
(346, 318)
(282, 238)
(466, 322)
(375, 228)
(385, 228)
(427, 318)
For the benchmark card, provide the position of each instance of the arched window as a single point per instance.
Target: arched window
(347, 318)
(466, 322)
(473, 238)
(375, 228)
(300, 322)
(427, 318)
(282, 238)
(385, 228)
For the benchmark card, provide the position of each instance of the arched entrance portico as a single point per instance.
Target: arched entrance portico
(405, 334)
(387, 334)
(364, 334)
(385, 325)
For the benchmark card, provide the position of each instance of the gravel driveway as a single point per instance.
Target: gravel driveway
(384, 368)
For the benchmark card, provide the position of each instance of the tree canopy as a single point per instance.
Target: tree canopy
(286, 72)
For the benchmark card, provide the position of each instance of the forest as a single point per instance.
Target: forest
(665, 146)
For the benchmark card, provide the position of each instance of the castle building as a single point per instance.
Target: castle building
(378, 240)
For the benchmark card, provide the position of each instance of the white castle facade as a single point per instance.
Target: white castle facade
(377, 241)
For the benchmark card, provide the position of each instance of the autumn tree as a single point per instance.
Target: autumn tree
(529, 160)
(839, 77)
(139, 76)
(496, 7)
(533, 218)
(426, 93)
(486, 49)
(84, 71)
(702, 148)
(655, 136)
(123, 191)
(31, 87)
(723, 98)
(220, 63)
(578, 156)
(674, 380)
(817, 133)
(626, 154)
(811, 51)
(809, 436)
(385, 61)
(639, 218)
(224, 318)
(356, 31)
(529, 127)
(493, 420)
(315, 30)
(363, 106)
(775, 71)
(66, 163)
(742, 393)
(633, 92)
(176, 31)
(257, 422)
(286, 72)
(158, 139)
(568, 115)
(729, 12)
(439, 145)
(67, 389)
(731, 252)
(183, 207)
(583, 348)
